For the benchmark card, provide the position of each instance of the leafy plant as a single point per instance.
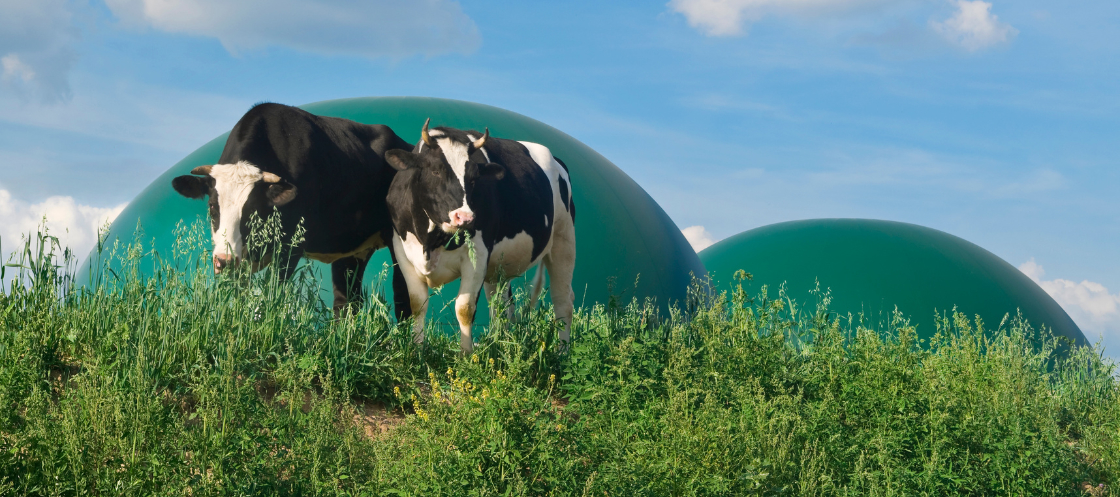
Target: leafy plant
(173, 380)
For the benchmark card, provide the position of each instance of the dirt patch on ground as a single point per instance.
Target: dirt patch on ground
(376, 419)
(372, 417)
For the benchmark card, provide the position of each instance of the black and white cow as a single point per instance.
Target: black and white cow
(513, 198)
(326, 171)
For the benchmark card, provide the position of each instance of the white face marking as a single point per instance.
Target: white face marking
(456, 155)
(233, 183)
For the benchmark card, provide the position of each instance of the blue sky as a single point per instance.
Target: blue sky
(996, 122)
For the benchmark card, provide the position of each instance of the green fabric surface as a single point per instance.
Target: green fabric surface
(872, 266)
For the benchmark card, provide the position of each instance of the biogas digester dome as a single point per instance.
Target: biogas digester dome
(621, 233)
(872, 266)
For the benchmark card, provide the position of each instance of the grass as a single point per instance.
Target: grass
(181, 383)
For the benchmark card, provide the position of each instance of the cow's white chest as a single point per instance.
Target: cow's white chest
(510, 258)
(442, 266)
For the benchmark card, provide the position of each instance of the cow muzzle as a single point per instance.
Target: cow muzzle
(461, 217)
(222, 261)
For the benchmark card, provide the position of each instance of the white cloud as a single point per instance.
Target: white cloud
(732, 17)
(36, 53)
(16, 68)
(974, 27)
(716, 102)
(75, 225)
(698, 237)
(369, 28)
(1092, 307)
(1041, 180)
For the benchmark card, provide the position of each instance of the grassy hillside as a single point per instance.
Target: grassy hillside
(180, 383)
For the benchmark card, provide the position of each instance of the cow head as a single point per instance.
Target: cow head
(439, 176)
(235, 192)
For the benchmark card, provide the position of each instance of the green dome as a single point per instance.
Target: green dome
(621, 232)
(872, 266)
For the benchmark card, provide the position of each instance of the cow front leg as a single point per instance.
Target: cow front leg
(417, 291)
(465, 306)
(472, 276)
(346, 278)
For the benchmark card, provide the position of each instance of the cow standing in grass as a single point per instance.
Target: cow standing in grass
(327, 172)
(511, 200)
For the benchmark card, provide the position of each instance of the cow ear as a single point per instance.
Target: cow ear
(191, 186)
(281, 193)
(494, 170)
(402, 159)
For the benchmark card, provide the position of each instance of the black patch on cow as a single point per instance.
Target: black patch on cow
(562, 164)
(563, 184)
(565, 191)
(506, 201)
